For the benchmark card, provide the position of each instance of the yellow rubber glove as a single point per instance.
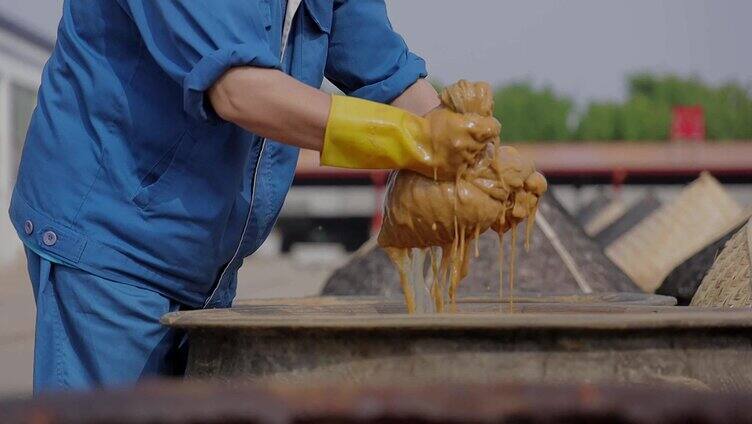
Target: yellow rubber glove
(369, 135)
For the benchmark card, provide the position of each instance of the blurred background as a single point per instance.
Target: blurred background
(609, 97)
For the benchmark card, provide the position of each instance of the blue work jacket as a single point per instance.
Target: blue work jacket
(128, 174)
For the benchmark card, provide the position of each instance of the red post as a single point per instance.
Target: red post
(618, 177)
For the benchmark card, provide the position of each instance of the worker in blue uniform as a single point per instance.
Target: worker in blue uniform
(161, 150)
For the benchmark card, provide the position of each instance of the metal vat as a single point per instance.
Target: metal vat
(356, 341)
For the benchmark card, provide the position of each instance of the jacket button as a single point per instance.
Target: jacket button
(49, 238)
(28, 227)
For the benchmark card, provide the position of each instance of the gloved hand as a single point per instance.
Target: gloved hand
(370, 135)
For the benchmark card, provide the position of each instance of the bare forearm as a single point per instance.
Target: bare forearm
(420, 98)
(272, 104)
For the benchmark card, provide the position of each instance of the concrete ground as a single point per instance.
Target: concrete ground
(266, 275)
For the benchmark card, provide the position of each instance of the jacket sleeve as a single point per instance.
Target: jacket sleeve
(196, 41)
(366, 57)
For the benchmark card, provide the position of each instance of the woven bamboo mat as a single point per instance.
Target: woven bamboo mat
(674, 232)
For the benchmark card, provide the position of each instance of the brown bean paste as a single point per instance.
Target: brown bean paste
(497, 190)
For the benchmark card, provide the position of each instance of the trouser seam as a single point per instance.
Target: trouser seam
(59, 360)
(58, 324)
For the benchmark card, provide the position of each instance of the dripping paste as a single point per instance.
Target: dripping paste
(497, 191)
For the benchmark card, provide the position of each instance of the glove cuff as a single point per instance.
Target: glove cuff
(369, 135)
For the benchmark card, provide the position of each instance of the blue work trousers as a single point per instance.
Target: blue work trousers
(93, 332)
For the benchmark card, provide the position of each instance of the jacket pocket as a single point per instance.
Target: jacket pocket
(161, 183)
(321, 13)
(317, 24)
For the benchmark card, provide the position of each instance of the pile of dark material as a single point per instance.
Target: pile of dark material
(685, 279)
(542, 270)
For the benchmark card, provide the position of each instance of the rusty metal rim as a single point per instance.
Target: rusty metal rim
(622, 298)
(313, 300)
(672, 318)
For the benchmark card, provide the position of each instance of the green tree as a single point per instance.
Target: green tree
(728, 113)
(527, 113)
(642, 118)
(601, 121)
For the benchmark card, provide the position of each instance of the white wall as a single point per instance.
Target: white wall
(21, 64)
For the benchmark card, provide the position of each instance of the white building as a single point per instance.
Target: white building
(22, 57)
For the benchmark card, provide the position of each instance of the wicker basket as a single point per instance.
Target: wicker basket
(674, 232)
(729, 282)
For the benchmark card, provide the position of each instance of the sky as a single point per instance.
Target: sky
(582, 48)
